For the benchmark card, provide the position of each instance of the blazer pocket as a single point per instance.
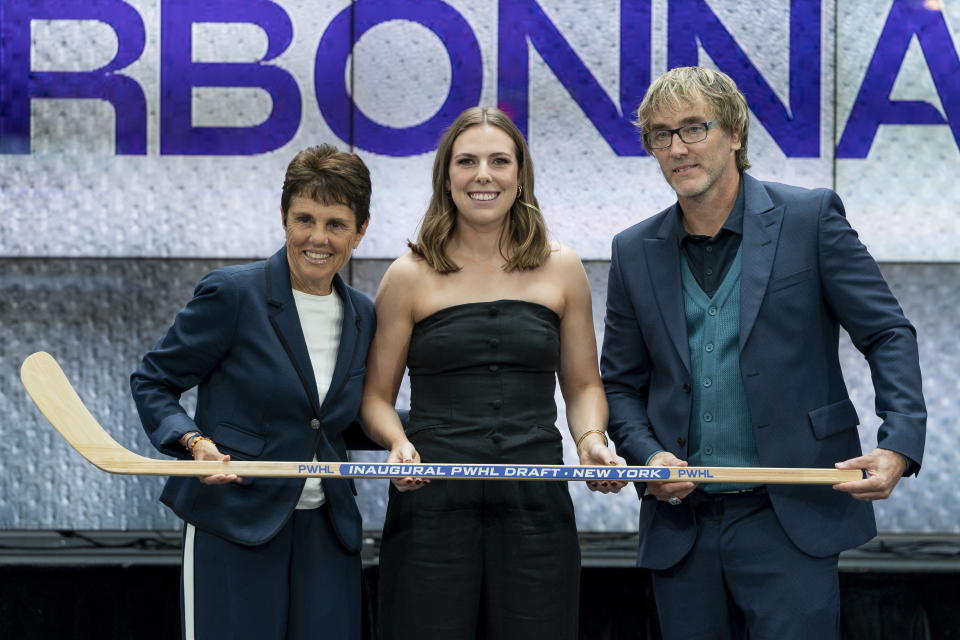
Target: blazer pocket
(240, 440)
(778, 284)
(833, 418)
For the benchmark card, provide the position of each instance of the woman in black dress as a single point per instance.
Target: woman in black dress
(486, 313)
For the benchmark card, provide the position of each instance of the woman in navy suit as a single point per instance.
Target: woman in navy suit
(276, 349)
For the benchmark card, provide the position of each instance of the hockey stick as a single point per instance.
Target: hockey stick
(56, 398)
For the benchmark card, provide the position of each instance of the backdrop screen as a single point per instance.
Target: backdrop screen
(162, 128)
(143, 143)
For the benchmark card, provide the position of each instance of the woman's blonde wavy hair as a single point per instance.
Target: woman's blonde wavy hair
(525, 233)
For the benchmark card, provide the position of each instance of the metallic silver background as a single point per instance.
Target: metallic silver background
(98, 251)
(97, 317)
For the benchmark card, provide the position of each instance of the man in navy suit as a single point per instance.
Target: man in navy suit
(723, 316)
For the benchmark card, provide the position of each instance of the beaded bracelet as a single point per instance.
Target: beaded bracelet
(195, 439)
(586, 433)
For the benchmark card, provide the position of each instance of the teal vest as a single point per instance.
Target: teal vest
(721, 432)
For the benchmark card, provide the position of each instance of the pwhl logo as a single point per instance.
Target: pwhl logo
(795, 127)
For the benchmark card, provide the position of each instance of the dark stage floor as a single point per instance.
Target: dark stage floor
(125, 585)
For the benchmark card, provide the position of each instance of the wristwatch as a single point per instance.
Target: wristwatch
(187, 439)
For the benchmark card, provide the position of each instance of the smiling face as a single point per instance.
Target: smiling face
(320, 240)
(483, 175)
(696, 171)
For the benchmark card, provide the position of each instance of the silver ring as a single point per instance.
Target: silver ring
(674, 500)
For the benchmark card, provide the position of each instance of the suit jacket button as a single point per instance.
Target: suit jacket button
(681, 441)
(686, 387)
(314, 424)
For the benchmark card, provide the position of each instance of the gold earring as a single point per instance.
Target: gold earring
(519, 190)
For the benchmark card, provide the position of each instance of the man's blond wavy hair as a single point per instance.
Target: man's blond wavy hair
(683, 86)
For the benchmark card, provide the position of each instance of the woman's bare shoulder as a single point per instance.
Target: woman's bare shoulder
(407, 267)
(563, 258)
(404, 278)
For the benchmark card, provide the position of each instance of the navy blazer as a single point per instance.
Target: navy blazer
(239, 341)
(804, 274)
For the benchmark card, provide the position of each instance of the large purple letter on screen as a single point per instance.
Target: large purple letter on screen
(873, 105)
(797, 129)
(351, 124)
(179, 75)
(19, 85)
(523, 20)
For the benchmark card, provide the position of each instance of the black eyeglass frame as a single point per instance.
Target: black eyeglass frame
(706, 125)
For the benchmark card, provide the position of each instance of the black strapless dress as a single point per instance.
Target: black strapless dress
(495, 559)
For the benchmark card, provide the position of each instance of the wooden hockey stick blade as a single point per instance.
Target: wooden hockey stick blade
(56, 398)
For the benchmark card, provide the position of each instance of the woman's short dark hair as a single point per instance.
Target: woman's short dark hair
(328, 176)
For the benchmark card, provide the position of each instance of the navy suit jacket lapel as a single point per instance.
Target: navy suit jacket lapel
(286, 323)
(761, 234)
(349, 332)
(663, 264)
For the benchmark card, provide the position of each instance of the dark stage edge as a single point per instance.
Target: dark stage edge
(888, 553)
(124, 585)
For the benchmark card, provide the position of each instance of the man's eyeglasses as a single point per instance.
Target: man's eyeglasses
(689, 134)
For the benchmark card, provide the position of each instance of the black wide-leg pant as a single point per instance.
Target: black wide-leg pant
(490, 560)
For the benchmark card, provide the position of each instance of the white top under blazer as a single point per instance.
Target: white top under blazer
(321, 318)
